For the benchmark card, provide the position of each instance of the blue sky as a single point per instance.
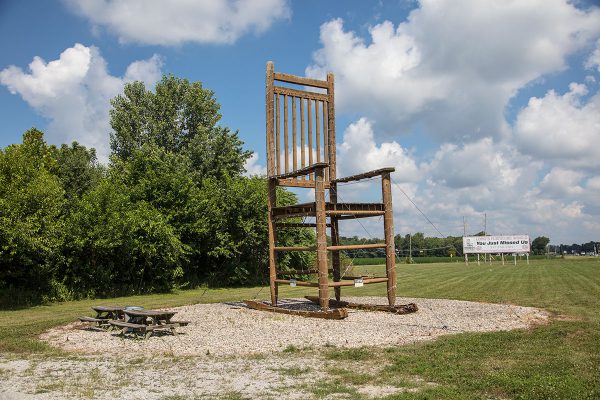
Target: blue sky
(485, 108)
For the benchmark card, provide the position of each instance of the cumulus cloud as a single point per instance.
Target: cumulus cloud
(359, 152)
(453, 65)
(253, 166)
(561, 129)
(593, 60)
(74, 93)
(472, 165)
(180, 21)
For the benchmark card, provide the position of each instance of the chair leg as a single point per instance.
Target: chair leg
(388, 227)
(335, 240)
(335, 257)
(321, 239)
(271, 202)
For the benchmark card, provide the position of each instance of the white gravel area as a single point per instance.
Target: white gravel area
(226, 329)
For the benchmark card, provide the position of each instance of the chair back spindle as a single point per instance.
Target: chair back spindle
(308, 138)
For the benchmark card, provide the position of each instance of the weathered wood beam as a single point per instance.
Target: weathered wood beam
(351, 283)
(295, 248)
(298, 283)
(300, 93)
(357, 246)
(302, 171)
(299, 80)
(365, 175)
(399, 309)
(337, 313)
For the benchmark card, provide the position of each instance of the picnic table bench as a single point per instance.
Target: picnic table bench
(145, 322)
(104, 314)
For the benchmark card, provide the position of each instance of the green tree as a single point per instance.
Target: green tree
(31, 223)
(77, 168)
(538, 245)
(118, 245)
(180, 117)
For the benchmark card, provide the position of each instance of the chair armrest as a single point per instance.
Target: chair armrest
(364, 175)
(300, 172)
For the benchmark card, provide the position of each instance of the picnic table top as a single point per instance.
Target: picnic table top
(107, 308)
(149, 313)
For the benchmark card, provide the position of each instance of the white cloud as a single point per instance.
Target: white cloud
(180, 21)
(561, 183)
(454, 65)
(359, 152)
(593, 60)
(74, 93)
(561, 129)
(253, 167)
(473, 164)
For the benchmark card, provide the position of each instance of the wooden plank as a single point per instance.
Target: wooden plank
(337, 313)
(317, 131)
(365, 175)
(302, 135)
(269, 112)
(297, 225)
(298, 183)
(300, 80)
(335, 241)
(300, 272)
(388, 228)
(331, 126)
(399, 309)
(297, 283)
(295, 248)
(355, 213)
(271, 202)
(277, 136)
(286, 147)
(351, 283)
(326, 143)
(321, 238)
(294, 141)
(357, 246)
(302, 171)
(309, 132)
(299, 93)
(356, 216)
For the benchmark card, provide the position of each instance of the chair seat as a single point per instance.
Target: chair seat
(340, 210)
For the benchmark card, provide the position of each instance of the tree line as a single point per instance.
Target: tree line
(171, 208)
(419, 245)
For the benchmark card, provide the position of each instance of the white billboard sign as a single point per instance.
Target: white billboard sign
(496, 244)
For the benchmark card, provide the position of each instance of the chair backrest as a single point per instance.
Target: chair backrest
(300, 126)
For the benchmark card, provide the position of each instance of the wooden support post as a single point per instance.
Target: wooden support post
(271, 199)
(388, 227)
(270, 115)
(335, 240)
(321, 239)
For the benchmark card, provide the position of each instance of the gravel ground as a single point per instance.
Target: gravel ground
(230, 351)
(232, 329)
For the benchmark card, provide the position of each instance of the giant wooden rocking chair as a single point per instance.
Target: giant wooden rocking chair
(307, 158)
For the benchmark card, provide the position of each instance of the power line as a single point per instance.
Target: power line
(417, 207)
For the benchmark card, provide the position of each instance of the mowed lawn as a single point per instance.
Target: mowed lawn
(560, 360)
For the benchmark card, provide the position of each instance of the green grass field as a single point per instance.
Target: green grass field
(560, 360)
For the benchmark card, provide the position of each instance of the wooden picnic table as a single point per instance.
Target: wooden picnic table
(147, 321)
(154, 317)
(109, 312)
(104, 314)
